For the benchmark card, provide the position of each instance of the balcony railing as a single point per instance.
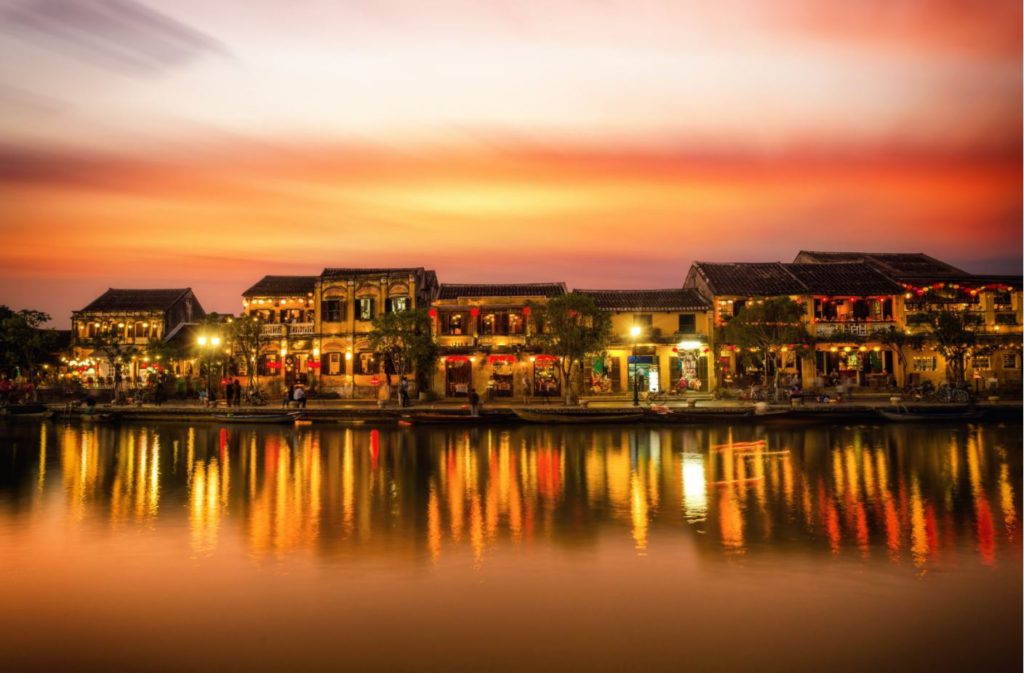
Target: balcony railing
(300, 328)
(861, 329)
(272, 330)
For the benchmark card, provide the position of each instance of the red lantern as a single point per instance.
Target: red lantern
(675, 349)
(432, 313)
(526, 310)
(474, 311)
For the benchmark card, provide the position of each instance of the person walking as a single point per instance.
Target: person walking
(403, 392)
(474, 402)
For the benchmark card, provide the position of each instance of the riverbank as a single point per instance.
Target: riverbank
(327, 411)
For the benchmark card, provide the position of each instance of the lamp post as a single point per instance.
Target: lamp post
(208, 345)
(634, 332)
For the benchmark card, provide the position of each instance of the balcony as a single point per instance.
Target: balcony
(851, 328)
(301, 329)
(272, 330)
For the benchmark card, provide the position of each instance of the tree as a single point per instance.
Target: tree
(404, 341)
(245, 335)
(766, 327)
(952, 338)
(574, 327)
(107, 345)
(24, 343)
(898, 341)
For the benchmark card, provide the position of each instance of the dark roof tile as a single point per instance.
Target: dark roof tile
(282, 286)
(856, 279)
(137, 300)
(672, 299)
(448, 291)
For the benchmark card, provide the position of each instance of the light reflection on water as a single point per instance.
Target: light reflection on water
(917, 500)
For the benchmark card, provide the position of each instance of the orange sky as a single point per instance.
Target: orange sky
(604, 145)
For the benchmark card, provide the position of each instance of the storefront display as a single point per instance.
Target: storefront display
(645, 368)
(501, 382)
(546, 377)
(458, 375)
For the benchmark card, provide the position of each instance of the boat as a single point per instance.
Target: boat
(908, 416)
(434, 418)
(25, 411)
(773, 416)
(693, 416)
(576, 417)
(257, 418)
(104, 417)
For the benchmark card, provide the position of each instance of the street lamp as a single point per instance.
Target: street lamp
(634, 332)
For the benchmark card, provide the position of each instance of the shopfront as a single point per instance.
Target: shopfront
(547, 380)
(458, 375)
(860, 366)
(644, 370)
(502, 379)
(604, 375)
(688, 370)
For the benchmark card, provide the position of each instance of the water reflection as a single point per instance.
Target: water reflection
(916, 496)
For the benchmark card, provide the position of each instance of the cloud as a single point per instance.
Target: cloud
(120, 35)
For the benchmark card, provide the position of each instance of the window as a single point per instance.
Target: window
(982, 362)
(1006, 319)
(923, 364)
(453, 323)
(332, 310)
(1009, 360)
(366, 363)
(397, 304)
(364, 308)
(687, 323)
(332, 364)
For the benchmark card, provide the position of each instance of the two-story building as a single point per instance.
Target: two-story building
(317, 327)
(286, 308)
(349, 300)
(991, 303)
(660, 338)
(134, 320)
(844, 304)
(484, 332)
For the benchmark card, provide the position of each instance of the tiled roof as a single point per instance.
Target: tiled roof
(672, 299)
(450, 291)
(896, 265)
(136, 300)
(856, 279)
(369, 271)
(749, 278)
(281, 286)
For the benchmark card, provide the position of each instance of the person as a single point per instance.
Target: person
(236, 393)
(300, 396)
(289, 395)
(211, 397)
(474, 402)
(526, 388)
(403, 392)
(202, 398)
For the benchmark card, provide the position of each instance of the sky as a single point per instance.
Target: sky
(188, 143)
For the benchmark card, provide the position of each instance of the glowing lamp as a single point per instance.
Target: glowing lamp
(526, 310)
(475, 311)
(348, 355)
(634, 331)
(215, 341)
(201, 341)
(432, 313)
(687, 345)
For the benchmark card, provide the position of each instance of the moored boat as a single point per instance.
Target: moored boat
(908, 416)
(694, 416)
(576, 417)
(25, 411)
(435, 418)
(257, 418)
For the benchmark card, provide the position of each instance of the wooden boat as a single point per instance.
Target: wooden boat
(573, 417)
(268, 419)
(773, 416)
(100, 418)
(691, 416)
(907, 416)
(434, 418)
(25, 411)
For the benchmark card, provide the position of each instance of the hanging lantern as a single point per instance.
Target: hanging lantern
(526, 310)
(475, 311)
(432, 313)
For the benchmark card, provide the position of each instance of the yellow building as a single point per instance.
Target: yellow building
(991, 302)
(286, 305)
(844, 305)
(663, 337)
(349, 299)
(484, 334)
(136, 319)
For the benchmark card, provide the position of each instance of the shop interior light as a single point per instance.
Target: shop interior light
(689, 345)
